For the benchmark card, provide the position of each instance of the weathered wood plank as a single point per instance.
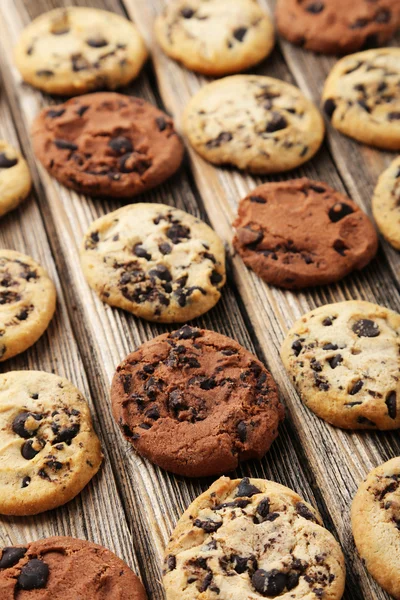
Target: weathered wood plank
(339, 459)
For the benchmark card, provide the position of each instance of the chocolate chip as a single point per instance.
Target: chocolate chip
(141, 252)
(121, 145)
(242, 431)
(246, 489)
(10, 556)
(239, 33)
(223, 138)
(208, 526)
(153, 413)
(7, 163)
(27, 450)
(97, 42)
(340, 247)
(339, 211)
(292, 580)
(79, 63)
(383, 15)
(187, 13)
(269, 583)
(356, 387)
(317, 188)
(61, 31)
(215, 278)
(366, 328)
(303, 511)
(329, 107)
(65, 145)
(67, 434)
(171, 562)
(177, 233)
(335, 360)
(186, 333)
(161, 123)
(359, 24)
(161, 272)
(81, 110)
(297, 347)
(33, 575)
(165, 248)
(276, 123)
(44, 73)
(391, 403)
(241, 564)
(315, 8)
(257, 199)
(18, 425)
(394, 116)
(263, 508)
(25, 482)
(328, 321)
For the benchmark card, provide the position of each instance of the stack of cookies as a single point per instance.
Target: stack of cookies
(192, 401)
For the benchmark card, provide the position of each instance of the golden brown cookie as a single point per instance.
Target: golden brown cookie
(15, 178)
(386, 203)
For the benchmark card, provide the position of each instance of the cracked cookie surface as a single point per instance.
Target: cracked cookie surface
(335, 26)
(70, 51)
(65, 568)
(15, 178)
(362, 97)
(196, 403)
(49, 450)
(27, 302)
(344, 360)
(251, 539)
(258, 124)
(298, 233)
(107, 144)
(160, 263)
(386, 203)
(215, 37)
(375, 518)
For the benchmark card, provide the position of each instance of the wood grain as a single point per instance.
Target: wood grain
(132, 506)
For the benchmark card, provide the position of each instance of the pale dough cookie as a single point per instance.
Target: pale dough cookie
(255, 123)
(362, 97)
(15, 178)
(27, 302)
(251, 539)
(48, 448)
(215, 37)
(157, 262)
(375, 518)
(386, 203)
(344, 360)
(71, 51)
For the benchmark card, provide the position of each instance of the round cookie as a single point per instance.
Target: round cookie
(107, 144)
(70, 51)
(196, 403)
(375, 518)
(27, 302)
(335, 26)
(65, 568)
(158, 262)
(255, 123)
(216, 37)
(15, 178)
(362, 97)
(344, 360)
(386, 203)
(299, 233)
(49, 450)
(252, 538)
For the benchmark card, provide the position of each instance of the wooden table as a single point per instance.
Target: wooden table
(131, 506)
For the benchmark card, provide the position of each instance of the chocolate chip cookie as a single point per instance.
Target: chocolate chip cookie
(215, 37)
(300, 232)
(386, 203)
(65, 568)
(73, 50)
(15, 178)
(48, 446)
(196, 403)
(27, 302)
(107, 144)
(344, 360)
(362, 97)
(375, 518)
(255, 123)
(337, 26)
(157, 262)
(252, 538)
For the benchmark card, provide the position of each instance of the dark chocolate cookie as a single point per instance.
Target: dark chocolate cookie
(107, 144)
(299, 233)
(337, 26)
(196, 403)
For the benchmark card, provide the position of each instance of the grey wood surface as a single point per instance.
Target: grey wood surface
(131, 506)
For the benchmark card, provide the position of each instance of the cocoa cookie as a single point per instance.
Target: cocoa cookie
(258, 124)
(298, 233)
(361, 97)
(252, 538)
(107, 144)
(196, 403)
(15, 178)
(344, 360)
(65, 568)
(375, 518)
(48, 446)
(335, 26)
(215, 37)
(27, 302)
(386, 203)
(73, 50)
(157, 262)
